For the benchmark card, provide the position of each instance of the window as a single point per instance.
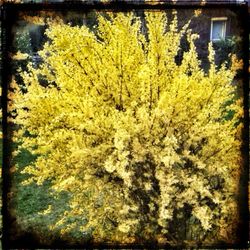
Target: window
(218, 29)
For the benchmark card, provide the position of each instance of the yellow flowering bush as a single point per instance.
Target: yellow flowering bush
(134, 137)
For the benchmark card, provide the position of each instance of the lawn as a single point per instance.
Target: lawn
(29, 202)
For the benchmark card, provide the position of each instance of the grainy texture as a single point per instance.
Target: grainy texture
(141, 144)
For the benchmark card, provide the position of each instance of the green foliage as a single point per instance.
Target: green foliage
(22, 42)
(226, 47)
(22, 49)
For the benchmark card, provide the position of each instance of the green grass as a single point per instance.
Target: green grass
(30, 200)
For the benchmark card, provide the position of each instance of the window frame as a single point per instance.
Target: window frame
(224, 29)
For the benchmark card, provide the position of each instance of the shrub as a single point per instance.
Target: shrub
(141, 143)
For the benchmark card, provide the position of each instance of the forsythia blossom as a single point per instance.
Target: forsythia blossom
(132, 135)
